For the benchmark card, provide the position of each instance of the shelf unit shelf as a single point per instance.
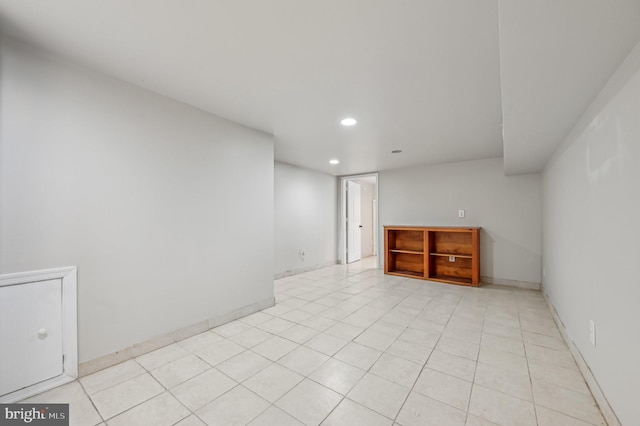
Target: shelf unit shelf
(442, 254)
(464, 256)
(407, 251)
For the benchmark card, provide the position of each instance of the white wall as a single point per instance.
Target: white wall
(306, 212)
(508, 208)
(591, 237)
(166, 210)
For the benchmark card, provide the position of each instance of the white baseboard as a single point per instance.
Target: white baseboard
(290, 272)
(510, 283)
(109, 360)
(607, 412)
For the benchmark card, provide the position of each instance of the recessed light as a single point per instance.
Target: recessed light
(334, 161)
(396, 151)
(348, 121)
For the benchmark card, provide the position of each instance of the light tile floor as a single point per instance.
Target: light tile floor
(348, 345)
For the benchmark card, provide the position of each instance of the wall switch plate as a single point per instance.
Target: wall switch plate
(460, 213)
(452, 258)
(592, 332)
(302, 253)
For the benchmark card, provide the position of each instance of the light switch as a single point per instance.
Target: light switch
(460, 213)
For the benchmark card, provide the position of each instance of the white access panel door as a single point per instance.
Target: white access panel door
(354, 224)
(31, 330)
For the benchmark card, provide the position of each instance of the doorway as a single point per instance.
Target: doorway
(358, 218)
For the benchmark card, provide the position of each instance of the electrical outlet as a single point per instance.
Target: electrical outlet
(452, 258)
(460, 213)
(592, 332)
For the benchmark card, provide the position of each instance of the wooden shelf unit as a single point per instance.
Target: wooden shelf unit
(444, 254)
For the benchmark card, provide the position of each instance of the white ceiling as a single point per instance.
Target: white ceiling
(434, 78)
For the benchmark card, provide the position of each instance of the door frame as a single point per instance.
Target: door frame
(68, 275)
(342, 215)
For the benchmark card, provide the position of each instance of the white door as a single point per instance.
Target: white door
(375, 227)
(354, 225)
(31, 330)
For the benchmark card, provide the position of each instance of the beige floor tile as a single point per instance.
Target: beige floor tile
(465, 334)
(309, 402)
(335, 314)
(337, 375)
(548, 328)
(399, 318)
(458, 347)
(501, 408)
(274, 348)
(560, 376)
(327, 301)
(566, 401)
(548, 417)
(121, 397)
(180, 370)
(379, 394)
(161, 410)
(504, 344)
(303, 360)
(296, 315)
(278, 309)
(257, 318)
(389, 328)
(357, 355)
(505, 381)
(313, 308)
(111, 376)
(499, 329)
(237, 407)
(410, 351)
(425, 324)
(273, 382)
(375, 339)
(542, 340)
(83, 413)
(200, 341)
(364, 317)
(397, 370)
(276, 325)
(319, 322)
(421, 337)
(422, 411)
(231, 328)
(353, 414)
(326, 344)
(243, 365)
(299, 334)
(221, 351)
(202, 389)
(192, 420)
(251, 337)
(443, 387)
(345, 331)
(478, 421)
(454, 365)
(560, 358)
(273, 416)
(504, 360)
(161, 356)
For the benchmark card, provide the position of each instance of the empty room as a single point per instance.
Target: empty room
(346, 212)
